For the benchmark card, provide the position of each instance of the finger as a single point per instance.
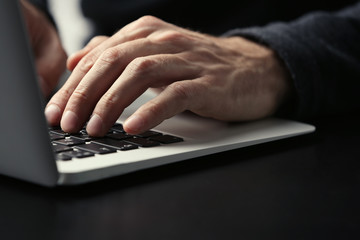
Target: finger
(55, 107)
(74, 59)
(87, 62)
(141, 28)
(106, 70)
(138, 77)
(84, 61)
(175, 99)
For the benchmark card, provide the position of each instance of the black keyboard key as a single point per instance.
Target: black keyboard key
(80, 145)
(71, 141)
(142, 142)
(118, 128)
(166, 139)
(83, 131)
(54, 136)
(62, 157)
(148, 134)
(78, 154)
(119, 145)
(53, 128)
(83, 136)
(60, 132)
(119, 136)
(96, 148)
(61, 148)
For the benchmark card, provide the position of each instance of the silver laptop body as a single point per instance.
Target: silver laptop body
(26, 151)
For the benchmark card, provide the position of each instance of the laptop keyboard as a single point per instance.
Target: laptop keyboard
(80, 145)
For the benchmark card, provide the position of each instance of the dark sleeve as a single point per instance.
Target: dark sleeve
(322, 53)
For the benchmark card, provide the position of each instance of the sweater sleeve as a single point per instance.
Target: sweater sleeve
(322, 53)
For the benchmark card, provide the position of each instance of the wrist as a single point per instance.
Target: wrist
(268, 74)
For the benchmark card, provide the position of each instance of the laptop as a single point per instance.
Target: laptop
(27, 152)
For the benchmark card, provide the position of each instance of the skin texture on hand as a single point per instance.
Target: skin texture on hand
(50, 57)
(230, 79)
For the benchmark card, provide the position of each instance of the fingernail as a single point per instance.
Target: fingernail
(134, 124)
(95, 126)
(69, 121)
(53, 114)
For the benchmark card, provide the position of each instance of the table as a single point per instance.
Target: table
(306, 187)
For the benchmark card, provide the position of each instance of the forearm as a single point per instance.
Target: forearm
(322, 53)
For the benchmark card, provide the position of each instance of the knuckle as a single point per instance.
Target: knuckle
(93, 42)
(110, 55)
(175, 40)
(63, 94)
(141, 27)
(109, 100)
(180, 91)
(143, 22)
(61, 97)
(142, 65)
(97, 39)
(148, 20)
(80, 96)
(171, 36)
(86, 63)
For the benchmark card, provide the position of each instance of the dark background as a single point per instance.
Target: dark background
(209, 16)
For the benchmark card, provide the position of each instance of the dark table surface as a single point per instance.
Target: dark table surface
(306, 187)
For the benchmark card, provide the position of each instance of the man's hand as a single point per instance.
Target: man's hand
(230, 79)
(49, 55)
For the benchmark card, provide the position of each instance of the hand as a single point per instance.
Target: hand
(230, 79)
(50, 57)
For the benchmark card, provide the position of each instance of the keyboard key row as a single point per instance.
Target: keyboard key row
(80, 145)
